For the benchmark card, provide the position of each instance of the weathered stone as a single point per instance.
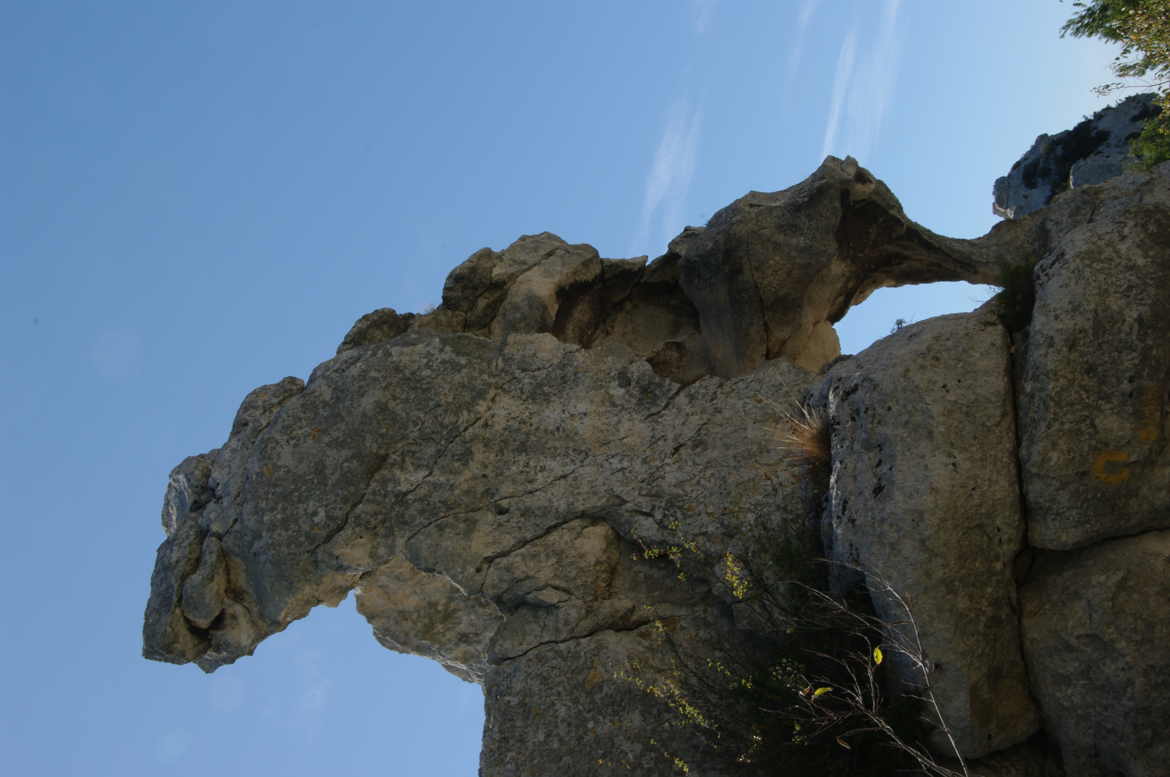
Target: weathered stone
(1031, 759)
(514, 291)
(1096, 374)
(1096, 626)
(766, 278)
(562, 471)
(427, 614)
(533, 299)
(166, 634)
(486, 503)
(187, 490)
(923, 499)
(770, 273)
(376, 327)
(203, 591)
(1092, 152)
(579, 692)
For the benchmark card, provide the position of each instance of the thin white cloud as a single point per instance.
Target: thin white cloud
(873, 90)
(702, 12)
(807, 10)
(841, 80)
(669, 179)
(863, 88)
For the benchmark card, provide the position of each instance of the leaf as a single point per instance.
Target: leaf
(878, 655)
(821, 691)
(843, 743)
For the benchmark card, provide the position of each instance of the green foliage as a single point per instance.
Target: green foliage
(1142, 28)
(1152, 146)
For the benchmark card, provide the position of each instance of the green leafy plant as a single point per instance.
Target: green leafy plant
(1142, 28)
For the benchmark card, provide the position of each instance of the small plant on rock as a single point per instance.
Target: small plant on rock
(804, 438)
(806, 695)
(1018, 295)
(1142, 29)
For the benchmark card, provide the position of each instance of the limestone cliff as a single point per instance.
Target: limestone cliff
(545, 480)
(1092, 152)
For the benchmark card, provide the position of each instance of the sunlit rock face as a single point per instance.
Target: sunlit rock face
(925, 468)
(1092, 152)
(549, 480)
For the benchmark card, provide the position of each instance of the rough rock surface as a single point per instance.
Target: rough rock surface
(766, 277)
(1096, 628)
(493, 512)
(543, 483)
(1092, 152)
(1096, 371)
(923, 432)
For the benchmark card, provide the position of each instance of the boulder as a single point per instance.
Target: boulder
(923, 503)
(1095, 376)
(1096, 626)
(376, 327)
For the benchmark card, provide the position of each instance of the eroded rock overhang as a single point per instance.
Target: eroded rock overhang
(489, 476)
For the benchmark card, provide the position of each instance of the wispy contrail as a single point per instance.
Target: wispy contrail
(873, 91)
(840, 89)
(702, 12)
(804, 16)
(670, 174)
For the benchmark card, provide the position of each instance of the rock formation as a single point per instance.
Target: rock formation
(1092, 152)
(568, 466)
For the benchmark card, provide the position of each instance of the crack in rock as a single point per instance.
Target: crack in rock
(332, 533)
(578, 637)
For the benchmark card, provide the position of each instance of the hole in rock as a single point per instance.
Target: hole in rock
(323, 697)
(882, 313)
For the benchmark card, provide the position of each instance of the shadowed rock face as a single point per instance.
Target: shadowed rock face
(539, 484)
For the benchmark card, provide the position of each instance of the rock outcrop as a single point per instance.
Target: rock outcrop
(924, 467)
(565, 482)
(767, 277)
(1092, 152)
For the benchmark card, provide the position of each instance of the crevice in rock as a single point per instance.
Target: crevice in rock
(380, 462)
(539, 488)
(486, 564)
(620, 300)
(1048, 553)
(578, 637)
(665, 405)
(447, 445)
(751, 273)
(1023, 561)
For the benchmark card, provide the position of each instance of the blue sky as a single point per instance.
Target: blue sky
(200, 198)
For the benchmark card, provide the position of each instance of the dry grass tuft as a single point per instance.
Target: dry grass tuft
(804, 437)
